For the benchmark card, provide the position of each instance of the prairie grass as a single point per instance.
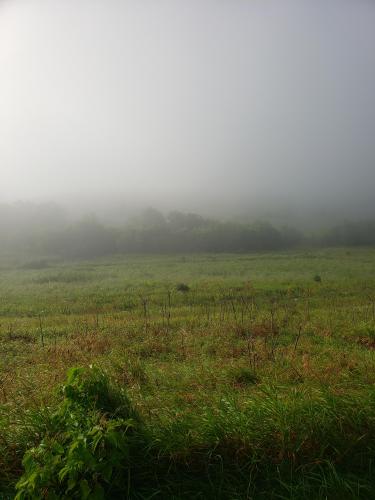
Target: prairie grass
(256, 381)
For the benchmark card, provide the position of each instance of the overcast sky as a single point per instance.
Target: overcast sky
(228, 99)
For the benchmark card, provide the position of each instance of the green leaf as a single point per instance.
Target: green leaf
(97, 493)
(107, 472)
(85, 489)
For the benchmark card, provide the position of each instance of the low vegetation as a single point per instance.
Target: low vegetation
(189, 376)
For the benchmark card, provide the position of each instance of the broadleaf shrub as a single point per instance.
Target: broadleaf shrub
(89, 455)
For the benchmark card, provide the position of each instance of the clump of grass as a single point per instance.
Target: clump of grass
(365, 330)
(130, 372)
(317, 278)
(182, 287)
(243, 376)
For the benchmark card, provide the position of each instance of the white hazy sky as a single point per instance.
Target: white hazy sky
(225, 98)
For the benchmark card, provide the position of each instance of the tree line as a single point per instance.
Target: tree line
(46, 230)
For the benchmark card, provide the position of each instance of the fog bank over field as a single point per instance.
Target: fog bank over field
(241, 108)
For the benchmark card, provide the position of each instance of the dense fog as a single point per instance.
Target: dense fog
(241, 111)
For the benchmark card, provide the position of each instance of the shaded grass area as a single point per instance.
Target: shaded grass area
(256, 384)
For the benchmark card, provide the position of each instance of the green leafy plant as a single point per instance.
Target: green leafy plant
(89, 454)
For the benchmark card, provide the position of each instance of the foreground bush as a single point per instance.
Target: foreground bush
(94, 442)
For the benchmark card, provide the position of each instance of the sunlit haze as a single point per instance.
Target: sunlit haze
(188, 104)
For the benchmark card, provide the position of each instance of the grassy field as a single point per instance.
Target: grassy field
(242, 376)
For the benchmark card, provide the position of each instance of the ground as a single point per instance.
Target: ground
(264, 360)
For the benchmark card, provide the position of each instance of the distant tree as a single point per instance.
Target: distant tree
(178, 221)
(87, 238)
(150, 219)
(351, 234)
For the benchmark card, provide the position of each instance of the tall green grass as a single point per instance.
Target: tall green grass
(280, 444)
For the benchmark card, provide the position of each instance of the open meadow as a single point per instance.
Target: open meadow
(225, 376)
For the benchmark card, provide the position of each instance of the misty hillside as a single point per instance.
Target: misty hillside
(47, 230)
